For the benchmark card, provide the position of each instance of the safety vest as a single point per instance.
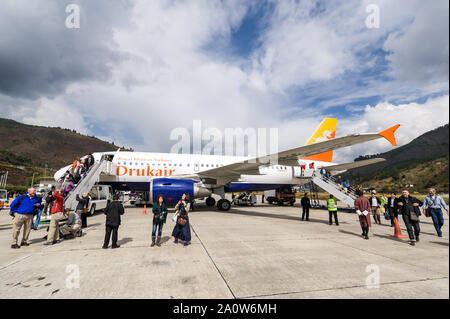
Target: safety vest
(332, 207)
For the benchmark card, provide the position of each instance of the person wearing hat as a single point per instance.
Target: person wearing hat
(113, 211)
(73, 225)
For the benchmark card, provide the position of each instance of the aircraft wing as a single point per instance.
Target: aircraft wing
(290, 157)
(346, 166)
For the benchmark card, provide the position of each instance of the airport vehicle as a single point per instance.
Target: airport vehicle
(280, 196)
(3, 198)
(101, 195)
(200, 176)
(244, 199)
(132, 197)
(41, 192)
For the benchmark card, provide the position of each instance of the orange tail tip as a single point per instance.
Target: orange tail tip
(389, 134)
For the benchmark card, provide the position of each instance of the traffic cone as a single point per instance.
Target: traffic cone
(397, 231)
(144, 212)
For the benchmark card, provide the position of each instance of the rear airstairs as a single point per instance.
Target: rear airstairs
(329, 185)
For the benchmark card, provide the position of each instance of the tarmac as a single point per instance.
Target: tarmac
(263, 251)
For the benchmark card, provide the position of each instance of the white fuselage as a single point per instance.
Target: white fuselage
(141, 167)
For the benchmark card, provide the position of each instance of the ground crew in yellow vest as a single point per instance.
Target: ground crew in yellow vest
(332, 210)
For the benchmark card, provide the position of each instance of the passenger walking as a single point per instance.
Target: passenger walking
(362, 207)
(409, 208)
(159, 219)
(22, 208)
(339, 181)
(35, 225)
(433, 205)
(73, 225)
(383, 205)
(323, 172)
(306, 205)
(57, 215)
(332, 210)
(346, 186)
(113, 211)
(392, 208)
(49, 201)
(375, 204)
(182, 228)
(90, 160)
(82, 207)
(67, 186)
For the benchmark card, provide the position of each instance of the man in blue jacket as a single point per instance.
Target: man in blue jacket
(22, 208)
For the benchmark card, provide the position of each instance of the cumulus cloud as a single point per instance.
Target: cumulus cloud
(40, 56)
(137, 69)
(419, 54)
(415, 119)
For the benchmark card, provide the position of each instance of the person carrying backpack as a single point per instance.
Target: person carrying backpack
(49, 199)
(22, 208)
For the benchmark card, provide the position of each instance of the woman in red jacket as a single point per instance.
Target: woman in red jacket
(57, 215)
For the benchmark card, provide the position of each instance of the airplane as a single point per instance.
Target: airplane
(201, 176)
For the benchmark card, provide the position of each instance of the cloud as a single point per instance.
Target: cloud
(415, 119)
(138, 69)
(419, 54)
(40, 56)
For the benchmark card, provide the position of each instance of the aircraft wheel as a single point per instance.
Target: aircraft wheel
(224, 205)
(210, 202)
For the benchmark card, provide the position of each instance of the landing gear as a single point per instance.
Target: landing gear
(224, 204)
(210, 202)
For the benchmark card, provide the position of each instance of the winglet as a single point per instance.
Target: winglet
(389, 134)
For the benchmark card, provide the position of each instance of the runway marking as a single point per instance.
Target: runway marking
(15, 261)
(214, 263)
(342, 288)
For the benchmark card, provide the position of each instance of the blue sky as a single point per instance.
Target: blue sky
(136, 70)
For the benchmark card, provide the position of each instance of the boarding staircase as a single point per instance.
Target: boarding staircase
(329, 185)
(85, 184)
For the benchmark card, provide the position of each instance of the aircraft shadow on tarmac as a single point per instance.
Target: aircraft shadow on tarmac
(276, 216)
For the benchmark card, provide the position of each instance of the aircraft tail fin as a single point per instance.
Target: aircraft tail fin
(325, 131)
